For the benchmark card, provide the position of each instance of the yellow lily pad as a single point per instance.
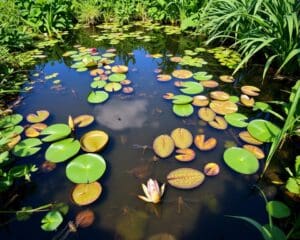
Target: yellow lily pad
(251, 91)
(185, 178)
(168, 96)
(176, 59)
(200, 101)
(96, 72)
(218, 123)
(219, 95)
(259, 154)
(210, 84)
(119, 69)
(246, 137)
(182, 138)
(211, 169)
(39, 116)
(163, 146)
(206, 114)
(125, 82)
(86, 193)
(182, 74)
(226, 78)
(35, 129)
(14, 141)
(94, 141)
(185, 155)
(223, 107)
(83, 120)
(205, 145)
(164, 77)
(247, 101)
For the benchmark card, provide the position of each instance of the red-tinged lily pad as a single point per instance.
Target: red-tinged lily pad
(185, 178)
(125, 82)
(117, 77)
(94, 141)
(211, 169)
(210, 84)
(200, 101)
(241, 160)
(86, 193)
(96, 72)
(85, 218)
(55, 132)
(113, 87)
(163, 146)
(164, 77)
(218, 123)
(83, 120)
(251, 91)
(263, 130)
(35, 129)
(27, 147)
(259, 154)
(226, 78)
(219, 95)
(246, 137)
(236, 119)
(182, 74)
(181, 99)
(223, 107)
(39, 116)
(206, 114)
(119, 69)
(62, 150)
(185, 155)
(183, 110)
(182, 138)
(247, 101)
(205, 145)
(128, 90)
(86, 168)
(97, 97)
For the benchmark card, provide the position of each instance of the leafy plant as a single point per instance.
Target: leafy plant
(293, 183)
(87, 12)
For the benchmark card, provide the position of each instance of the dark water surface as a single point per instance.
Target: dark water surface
(132, 121)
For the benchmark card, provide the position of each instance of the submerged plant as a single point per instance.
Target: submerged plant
(152, 191)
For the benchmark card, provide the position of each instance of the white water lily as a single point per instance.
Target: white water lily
(152, 191)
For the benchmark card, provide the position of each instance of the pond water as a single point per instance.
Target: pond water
(132, 122)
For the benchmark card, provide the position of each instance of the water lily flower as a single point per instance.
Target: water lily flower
(152, 191)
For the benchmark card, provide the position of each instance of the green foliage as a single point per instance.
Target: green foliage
(87, 12)
(293, 183)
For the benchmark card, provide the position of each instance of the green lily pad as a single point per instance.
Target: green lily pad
(97, 97)
(236, 119)
(4, 157)
(278, 209)
(78, 65)
(117, 77)
(234, 99)
(181, 99)
(261, 106)
(263, 130)
(202, 76)
(11, 131)
(108, 55)
(113, 87)
(86, 168)
(62, 150)
(27, 147)
(55, 132)
(51, 221)
(83, 69)
(241, 160)
(98, 84)
(10, 120)
(190, 87)
(183, 110)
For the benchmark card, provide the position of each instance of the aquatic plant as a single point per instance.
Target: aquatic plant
(152, 191)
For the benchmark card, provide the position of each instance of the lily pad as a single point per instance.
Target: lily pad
(52, 221)
(119, 69)
(183, 110)
(181, 99)
(168, 96)
(94, 141)
(241, 160)
(202, 76)
(10, 120)
(190, 87)
(96, 72)
(62, 150)
(182, 138)
(163, 146)
(39, 116)
(219, 95)
(86, 193)
(128, 90)
(55, 132)
(223, 107)
(218, 123)
(263, 130)
(12, 131)
(98, 84)
(83, 120)
(206, 114)
(226, 78)
(113, 87)
(258, 153)
(246, 137)
(236, 119)
(278, 209)
(211, 169)
(117, 77)
(247, 101)
(35, 129)
(164, 77)
(175, 59)
(205, 145)
(86, 168)
(27, 147)
(185, 178)
(185, 155)
(210, 84)
(200, 101)
(251, 91)
(97, 97)
(182, 74)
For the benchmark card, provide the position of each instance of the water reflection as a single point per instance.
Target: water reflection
(119, 115)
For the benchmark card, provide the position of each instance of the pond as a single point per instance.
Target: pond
(132, 122)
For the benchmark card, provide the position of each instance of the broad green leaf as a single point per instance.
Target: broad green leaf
(113, 87)
(181, 99)
(293, 185)
(276, 232)
(55, 132)
(51, 221)
(4, 157)
(117, 77)
(263, 130)
(183, 110)
(278, 209)
(27, 147)
(191, 88)
(236, 119)
(11, 131)
(98, 84)
(10, 120)
(97, 97)
(202, 76)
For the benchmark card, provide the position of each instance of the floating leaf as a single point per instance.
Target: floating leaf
(62, 150)
(185, 178)
(13, 141)
(182, 138)
(164, 77)
(127, 90)
(261, 106)
(210, 84)
(10, 120)
(96, 72)
(258, 153)
(185, 155)
(55, 132)
(35, 129)
(83, 120)
(27, 147)
(183, 110)
(226, 78)
(234, 99)
(202, 76)
(86, 168)
(236, 119)
(211, 169)
(223, 107)
(200, 101)
(181, 99)
(251, 91)
(168, 96)
(86, 193)
(94, 141)
(176, 59)
(241, 160)
(263, 130)
(113, 87)
(119, 69)
(205, 145)
(190, 87)
(182, 74)
(247, 101)
(246, 137)
(219, 95)
(52, 221)
(125, 82)
(218, 123)
(97, 97)
(163, 146)
(98, 84)
(85, 218)
(278, 209)
(12, 131)
(206, 114)
(117, 77)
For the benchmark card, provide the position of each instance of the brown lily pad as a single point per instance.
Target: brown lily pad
(200, 101)
(223, 107)
(210, 84)
(218, 123)
(206, 114)
(219, 95)
(251, 91)
(185, 155)
(39, 116)
(182, 138)
(211, 169)
(164, 77)
(247, 101)
(226, 78)
(259, 154)
(83, 120)
(163, 146)
(246, 137)
(185, 178)
(96, 72)
(85, 218)
(205, 145)
(86, 193)
(125, 82)
(176, 59)
(35, 129)
(168, 96)
(182, 74)
(94, 141)
(119, 69)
